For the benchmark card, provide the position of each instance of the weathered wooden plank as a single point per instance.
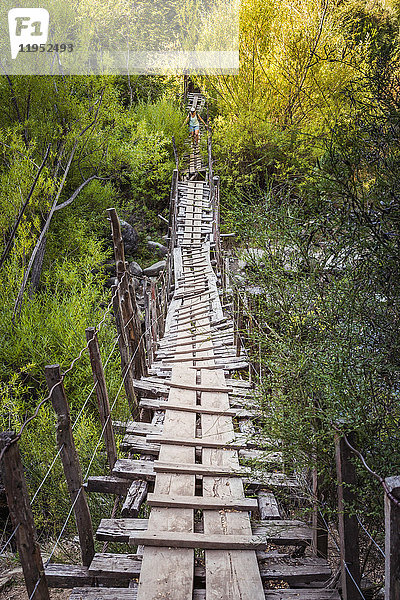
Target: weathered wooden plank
(200, 594)
(67, 576)
(135, 497)
(150, 389)
(195, 442)
(136, 427)
(119, 530)
(202, 502)
(284, 532)
(173, 351)
(199, 388)
(136, 443)
(197, 409)
(293, 571)
(228, 574)
(199, 469)
(107, 567)
(233, 412)
(318, 594)
(108, 484)
(267, 506)
(103, 594)
(116, 565)
(280, 480)
(173, 577)
(177, 539)
(134, 469)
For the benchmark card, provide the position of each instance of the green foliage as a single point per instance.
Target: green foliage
(327, 336)
(127, 146)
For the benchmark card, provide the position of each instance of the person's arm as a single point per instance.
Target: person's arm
(185, 121)
(204, 123)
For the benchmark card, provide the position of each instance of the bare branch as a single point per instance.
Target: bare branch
(14, 231)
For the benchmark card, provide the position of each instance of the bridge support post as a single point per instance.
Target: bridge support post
(71, 464)
(320, 533)
(102, 396)
(126, 370)
(132, 360)
(147, 323)
(22, 519)
(392, 541)
(348, 526)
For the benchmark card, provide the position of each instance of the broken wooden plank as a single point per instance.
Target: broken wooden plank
(135, 497)
(108, 484)
(267, 506)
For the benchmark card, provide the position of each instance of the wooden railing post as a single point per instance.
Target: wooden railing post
(119, 251)
(154, 317)
(348, 526)
(126, 370)
(147, 323)
(131, 354)
(175, 152)
(22, 519)
(319, 530)
(71, 464)
(102, 396)
(392, 541)
(173, 211)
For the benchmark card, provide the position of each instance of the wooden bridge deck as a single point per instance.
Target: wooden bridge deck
(199, 541)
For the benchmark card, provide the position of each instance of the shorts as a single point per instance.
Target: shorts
(193, 128)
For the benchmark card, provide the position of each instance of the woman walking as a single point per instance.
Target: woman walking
(194, 125)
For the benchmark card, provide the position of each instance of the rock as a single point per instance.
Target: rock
(110, 282)
(162, 250)
(130, 237)
(155, 269)
(135, 269)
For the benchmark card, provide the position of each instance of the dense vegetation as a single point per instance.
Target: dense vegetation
(106, 142)
(307, 145)
(307, 139)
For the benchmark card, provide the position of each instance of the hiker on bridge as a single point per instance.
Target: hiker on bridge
(194, 125)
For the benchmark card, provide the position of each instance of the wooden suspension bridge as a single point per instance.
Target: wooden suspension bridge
(215, 530)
